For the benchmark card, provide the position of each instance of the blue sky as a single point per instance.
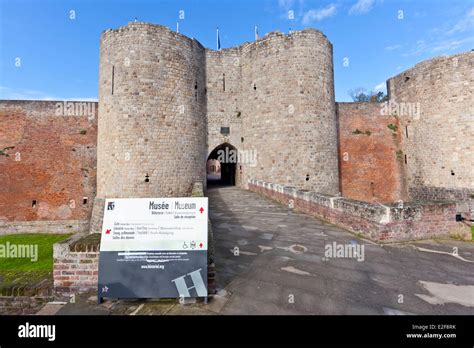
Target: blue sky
(44, 54)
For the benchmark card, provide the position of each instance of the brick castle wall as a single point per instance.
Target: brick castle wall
(370, 156)
(385, 224)
(47, 165)
(163, 101)
(75, 270)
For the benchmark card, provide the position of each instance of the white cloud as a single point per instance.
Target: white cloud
(393, 47)
(466, 23)
(285, 4)
(420, 47)
(361, 7)
(448, 45)
(24, 94)
(447, 37)
(381, 87)
(7, 93)
(438, 46)
(319, 14)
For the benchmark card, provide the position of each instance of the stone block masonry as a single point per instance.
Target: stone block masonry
(385, 224)
(152, 113)
(152, 130)
(48, 226)
(435, 105)
(166, 102)
(23, 305)
(24, 292)
(277, 97)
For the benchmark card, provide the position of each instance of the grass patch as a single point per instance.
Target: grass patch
(472, 232)
(44, 244)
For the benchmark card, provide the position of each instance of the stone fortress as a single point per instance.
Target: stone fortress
(167, 104)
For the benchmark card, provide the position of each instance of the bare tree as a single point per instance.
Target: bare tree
(360, 94)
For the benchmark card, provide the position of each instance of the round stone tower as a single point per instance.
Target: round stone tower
(152, 114)
(435, 106)
(289, 115)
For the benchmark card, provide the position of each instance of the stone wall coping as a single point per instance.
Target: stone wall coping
(428, 62)
(249, 45)
(32, 222)
(147, 26)
(277, 35)
(43, 226)
(62, 248)
(377, 212)
(244, 46)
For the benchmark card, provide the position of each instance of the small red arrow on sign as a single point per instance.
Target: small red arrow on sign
(201, 210)
(107, 231)
(200, 245)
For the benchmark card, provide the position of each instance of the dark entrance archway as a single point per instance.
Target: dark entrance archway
(221, 165)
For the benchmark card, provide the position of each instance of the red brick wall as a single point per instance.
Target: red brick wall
(370, 169)
(75, 272)
(53, 162)
(410, 222)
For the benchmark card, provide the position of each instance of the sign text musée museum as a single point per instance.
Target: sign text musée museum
(154, 248)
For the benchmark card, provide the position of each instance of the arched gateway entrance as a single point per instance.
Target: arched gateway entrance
(221, 165)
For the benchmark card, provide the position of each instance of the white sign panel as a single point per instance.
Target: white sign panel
(154, 248)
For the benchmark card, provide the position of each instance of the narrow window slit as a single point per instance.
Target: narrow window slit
(113, 78)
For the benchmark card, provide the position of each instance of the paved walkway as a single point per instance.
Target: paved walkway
(271, 260)
(280, 267)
